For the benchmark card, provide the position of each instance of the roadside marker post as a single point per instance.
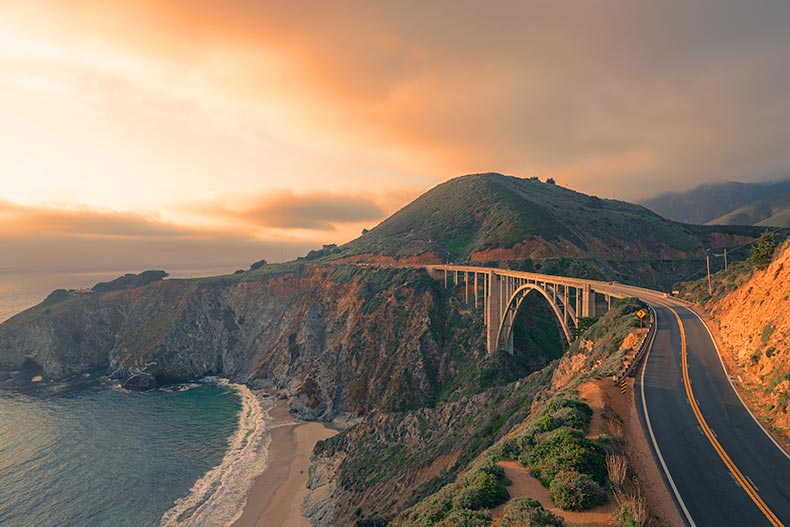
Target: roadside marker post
(623, 386)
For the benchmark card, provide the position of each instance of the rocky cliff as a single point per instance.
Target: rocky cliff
(391, 466)
(754, 324)
(339, 338)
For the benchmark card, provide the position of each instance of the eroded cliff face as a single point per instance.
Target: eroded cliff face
(754, 323)
(338, 338)
(390, 461)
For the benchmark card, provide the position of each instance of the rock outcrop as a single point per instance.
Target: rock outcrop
(340, 339)
(754, 323)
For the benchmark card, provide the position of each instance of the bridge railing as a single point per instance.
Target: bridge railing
(609, 288)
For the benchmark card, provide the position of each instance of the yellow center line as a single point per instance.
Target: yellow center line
(739, 477)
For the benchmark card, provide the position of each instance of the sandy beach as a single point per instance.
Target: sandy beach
(276, 497)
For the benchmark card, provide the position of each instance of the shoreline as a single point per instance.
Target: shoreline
(275, 498)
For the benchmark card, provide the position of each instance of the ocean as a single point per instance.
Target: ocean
(96, 455)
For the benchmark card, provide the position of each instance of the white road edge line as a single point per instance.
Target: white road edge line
(653, 437)
(743, 403)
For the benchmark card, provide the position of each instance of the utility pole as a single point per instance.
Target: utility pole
(725, 259)
(710, 287)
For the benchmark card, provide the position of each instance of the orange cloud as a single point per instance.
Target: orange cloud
(381, 95)
(36, 238)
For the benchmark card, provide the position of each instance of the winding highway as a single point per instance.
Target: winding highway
(721, 466)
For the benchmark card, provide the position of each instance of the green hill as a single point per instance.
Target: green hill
(768, 212)
(532, 225)
(710, 203)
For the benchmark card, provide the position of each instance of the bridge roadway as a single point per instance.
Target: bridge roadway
(721, 466)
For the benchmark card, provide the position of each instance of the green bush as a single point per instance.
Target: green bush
(484, 491)
(526, 512)
(572, 417)
(466, 518)
(544, 423)
(438, 506)
(763, 250)
(565, 449)
(572, 491)
(509, 448)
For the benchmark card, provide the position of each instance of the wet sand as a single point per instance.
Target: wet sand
(276, 497)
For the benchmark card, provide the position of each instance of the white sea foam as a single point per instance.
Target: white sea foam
(217, 498)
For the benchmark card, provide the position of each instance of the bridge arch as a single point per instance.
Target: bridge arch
(504, 339)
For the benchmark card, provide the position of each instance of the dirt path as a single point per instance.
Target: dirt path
(526, 485)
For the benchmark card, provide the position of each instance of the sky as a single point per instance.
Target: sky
(147, 132)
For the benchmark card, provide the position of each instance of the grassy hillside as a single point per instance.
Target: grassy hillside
(475, 213)
(709, 203)
(535, 226)
(768, 212)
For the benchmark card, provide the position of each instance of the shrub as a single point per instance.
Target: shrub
(509, 448)
(565, 449)
(616, 469)
(768, 330)
(466, 518)
(526, 512)
(438, 506)
(544, 423)
(572, 417)
(483, 491)
(633, 510)
(572, 491)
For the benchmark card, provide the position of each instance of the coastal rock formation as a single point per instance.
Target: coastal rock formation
(337, 338)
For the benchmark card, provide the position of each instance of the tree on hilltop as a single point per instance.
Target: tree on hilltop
(763, 250)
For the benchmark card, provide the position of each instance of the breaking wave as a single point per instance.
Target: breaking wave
(217, 498)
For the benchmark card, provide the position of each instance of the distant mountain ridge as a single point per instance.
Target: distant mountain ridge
(729, 203)
(773, 211)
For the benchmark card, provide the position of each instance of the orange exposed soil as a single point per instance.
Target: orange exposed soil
(754, 337)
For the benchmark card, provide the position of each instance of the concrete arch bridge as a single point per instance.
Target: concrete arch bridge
(502, 291)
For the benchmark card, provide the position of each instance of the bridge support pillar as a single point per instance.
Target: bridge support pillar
(588, 301)
(493, 307)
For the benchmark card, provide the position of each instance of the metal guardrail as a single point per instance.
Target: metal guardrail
(643, 347)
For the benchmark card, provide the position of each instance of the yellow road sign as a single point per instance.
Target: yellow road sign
(641, 313)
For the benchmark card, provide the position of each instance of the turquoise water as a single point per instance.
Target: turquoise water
(102, 456)
(105, 457)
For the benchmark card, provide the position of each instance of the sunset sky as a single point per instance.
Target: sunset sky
(236, 130)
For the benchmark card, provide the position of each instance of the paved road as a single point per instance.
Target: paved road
(709, 493)
(721, 466)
